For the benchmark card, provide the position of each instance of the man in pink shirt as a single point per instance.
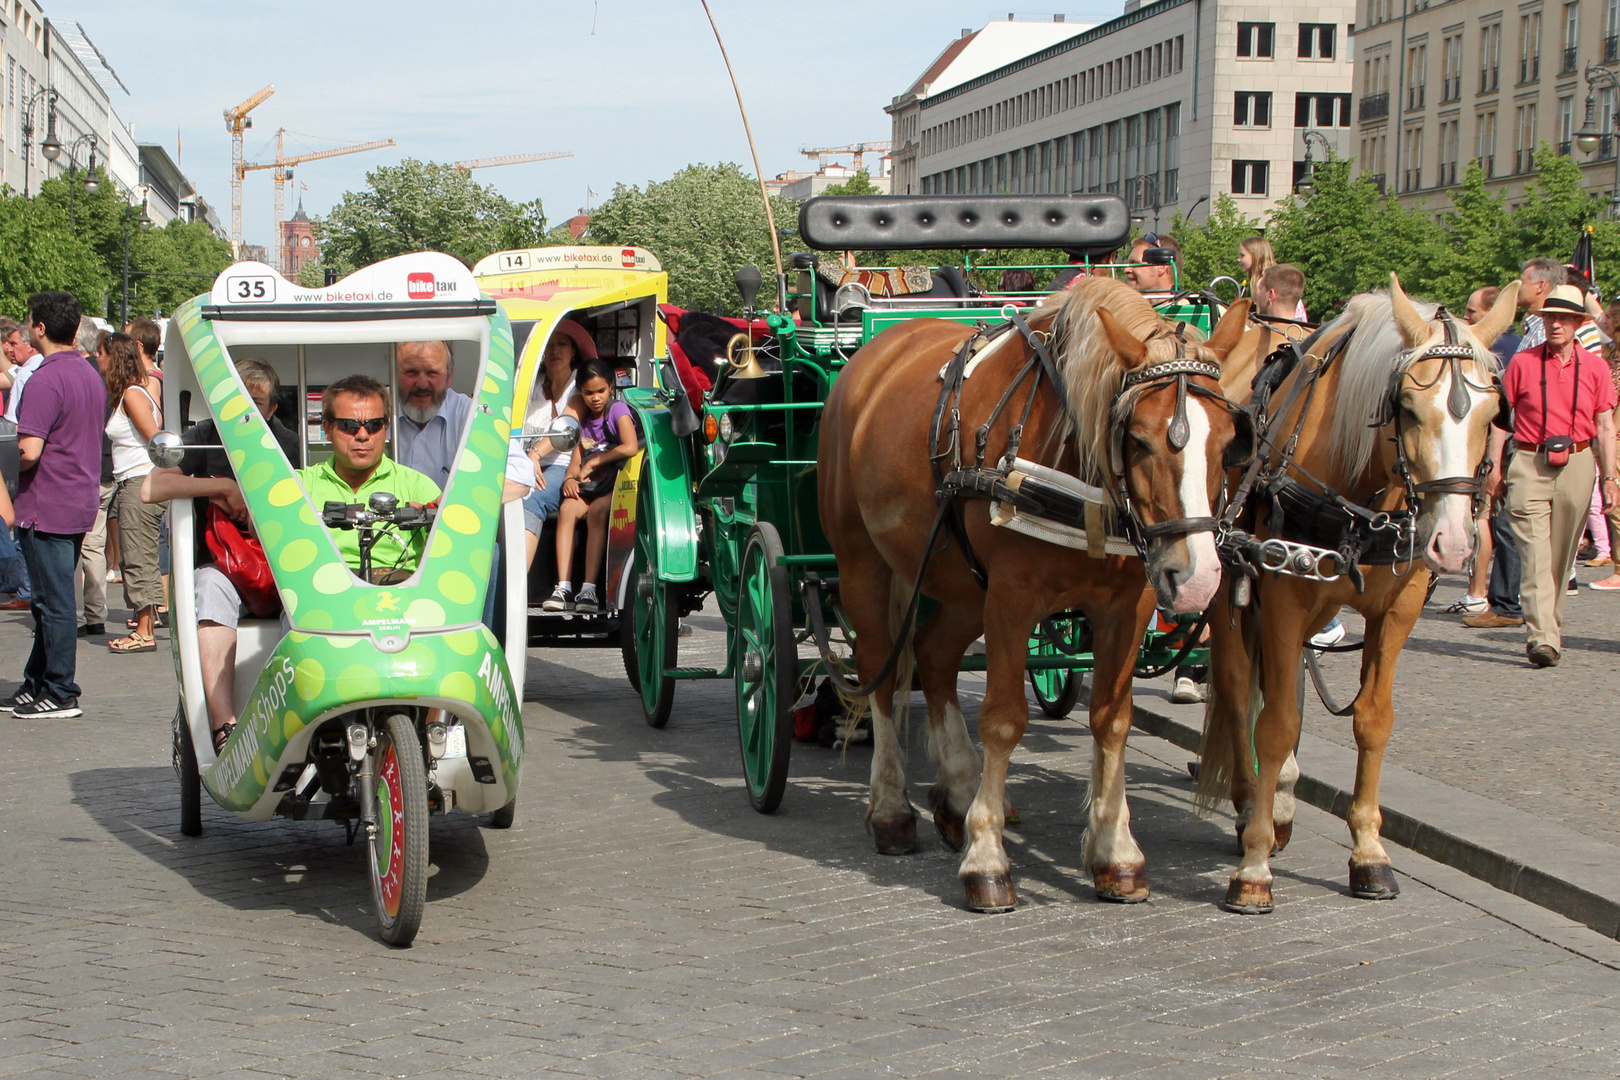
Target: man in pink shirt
(1563, 402)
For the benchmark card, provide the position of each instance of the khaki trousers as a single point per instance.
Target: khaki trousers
(1547, 510)
(90, 583)
(138, 545)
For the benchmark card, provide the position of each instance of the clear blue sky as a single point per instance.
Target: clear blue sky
(639, 98)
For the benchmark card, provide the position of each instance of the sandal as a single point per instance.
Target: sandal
(132, 644)
(223, 736)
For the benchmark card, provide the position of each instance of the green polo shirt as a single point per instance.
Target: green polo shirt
(407, 485)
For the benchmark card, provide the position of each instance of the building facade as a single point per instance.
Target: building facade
(1442, 82)
(1169, 105)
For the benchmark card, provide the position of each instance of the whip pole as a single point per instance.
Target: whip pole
(764, 195)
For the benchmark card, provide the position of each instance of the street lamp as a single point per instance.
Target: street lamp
(52, 146)
(1590, 138)
(1307, 185)
(144, 222)
(91, 184)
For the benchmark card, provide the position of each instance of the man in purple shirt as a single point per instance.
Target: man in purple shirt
(59, 427)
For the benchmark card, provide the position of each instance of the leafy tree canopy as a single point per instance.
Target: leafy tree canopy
(38, 251)
(424, 206)
(702, 223)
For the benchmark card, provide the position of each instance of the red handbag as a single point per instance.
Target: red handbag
(241, 559)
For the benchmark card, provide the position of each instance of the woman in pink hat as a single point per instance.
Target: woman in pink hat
(554, 395)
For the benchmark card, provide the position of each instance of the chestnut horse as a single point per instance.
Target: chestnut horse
(878, 501)
(1399, 419)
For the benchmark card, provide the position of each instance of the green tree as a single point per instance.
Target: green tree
(422, 206)
(172, 264)
(1479, 237)
(859, 184)
(1209, 248)
(1347, 237)
(39, 251)
(702, 223)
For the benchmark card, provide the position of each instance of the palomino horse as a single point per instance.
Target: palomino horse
(1136, 393)
(1397, 424)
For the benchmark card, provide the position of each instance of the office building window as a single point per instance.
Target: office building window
(1133, 162)
(1115, 135)
(1255, 40)
(1490, 57)
(1252, 108)
(1412, 174)
(1171, 185)
(1566, 124)
(1250, 177)
(1316, 41)
(1524, 146)
(1530, 47)
(1451, 69)
(1321, 110)
(1486, 128)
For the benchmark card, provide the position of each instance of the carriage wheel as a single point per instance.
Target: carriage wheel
(397, 855)
(767, 668)
(1056, 691)
(648, 637)
(185, 767)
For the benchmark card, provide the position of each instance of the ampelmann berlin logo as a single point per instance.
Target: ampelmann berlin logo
(423, 286)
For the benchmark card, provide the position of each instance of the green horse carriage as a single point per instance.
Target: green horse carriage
(727, 496)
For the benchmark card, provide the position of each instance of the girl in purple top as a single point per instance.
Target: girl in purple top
(607, 439)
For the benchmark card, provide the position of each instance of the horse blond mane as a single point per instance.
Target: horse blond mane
(1093, 372)
(1375, 351)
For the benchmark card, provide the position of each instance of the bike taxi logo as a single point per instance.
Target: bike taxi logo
(423, 286)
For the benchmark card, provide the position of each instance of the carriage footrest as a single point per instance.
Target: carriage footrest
(337, 808)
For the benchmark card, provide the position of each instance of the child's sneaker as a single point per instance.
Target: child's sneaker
(587, 603)
(558, 600)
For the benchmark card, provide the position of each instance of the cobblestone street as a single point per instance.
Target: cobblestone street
(641, 921)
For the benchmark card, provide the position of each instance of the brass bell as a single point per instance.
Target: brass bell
(743, 359)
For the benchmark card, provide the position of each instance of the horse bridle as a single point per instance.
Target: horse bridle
(1180, 371)
(1458, 404)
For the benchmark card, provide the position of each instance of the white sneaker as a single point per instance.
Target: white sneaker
(1186, 692)
(558, 600)
(1467, 604)
(587, 603)
(1330, 635)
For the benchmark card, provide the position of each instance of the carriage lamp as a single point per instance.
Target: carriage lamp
(711, 428)
(359, 740)
(726, 429)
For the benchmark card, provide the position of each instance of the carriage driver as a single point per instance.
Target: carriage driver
(354, 417)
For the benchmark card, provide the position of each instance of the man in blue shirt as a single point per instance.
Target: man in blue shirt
(432, 424)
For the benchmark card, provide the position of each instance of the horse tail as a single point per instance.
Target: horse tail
(1226, 725)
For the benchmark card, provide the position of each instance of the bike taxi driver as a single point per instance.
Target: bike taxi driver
(354, 417)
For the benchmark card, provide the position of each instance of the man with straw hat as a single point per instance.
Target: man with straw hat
(1563, 427)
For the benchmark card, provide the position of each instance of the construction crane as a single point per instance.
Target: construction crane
(855, 150)
(510, 159)
(283, 172)
(237, 121)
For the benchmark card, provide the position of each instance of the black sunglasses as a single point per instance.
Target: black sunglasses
(352, 427)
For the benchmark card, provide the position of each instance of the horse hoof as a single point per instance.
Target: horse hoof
(1248, 897)
(1375, 881)
(1121, 884)
(951, 825)
(989, 893)
(896, 836)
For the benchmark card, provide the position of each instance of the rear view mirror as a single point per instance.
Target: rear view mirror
(166, 449)
(563, 433)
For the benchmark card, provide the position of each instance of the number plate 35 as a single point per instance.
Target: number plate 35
(256, 289)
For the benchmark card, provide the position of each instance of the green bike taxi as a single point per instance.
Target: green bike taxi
(375, 705)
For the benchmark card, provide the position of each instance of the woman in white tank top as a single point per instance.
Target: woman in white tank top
(132, 394)
(553, 396)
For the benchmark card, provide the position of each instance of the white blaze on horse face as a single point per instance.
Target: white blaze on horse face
(1451, 453)
(1195, 588)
